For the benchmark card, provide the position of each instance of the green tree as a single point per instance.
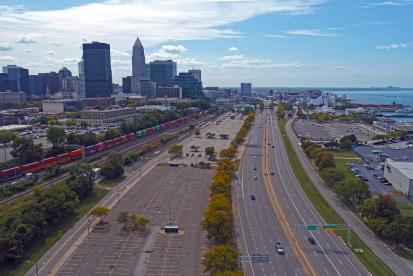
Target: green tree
(210, 152)
(382, 207)
(25, 151)
(81, 180)
(140, 223)
(220, 258)
(56, 136)
(6, 136)
(352, 192)
(324, 159)
(112, 168)
(176, 151)
(100, 212)
(331, 176)
(84, 124)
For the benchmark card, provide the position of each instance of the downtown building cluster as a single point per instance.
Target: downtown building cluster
(158, 78)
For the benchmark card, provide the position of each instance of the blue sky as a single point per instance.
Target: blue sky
(266, 42)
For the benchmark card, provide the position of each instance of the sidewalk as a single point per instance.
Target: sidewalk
(399, 265)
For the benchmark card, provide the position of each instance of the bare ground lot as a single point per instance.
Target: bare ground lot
(164, 194)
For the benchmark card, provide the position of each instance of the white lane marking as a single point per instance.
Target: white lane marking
(292, 201)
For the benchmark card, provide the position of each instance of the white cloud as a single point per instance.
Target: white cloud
(232, 57)
(190, 62)
(309, 32)
(392, 46)
(117, 53)
(7, 59)
(394, 3)
(50, 53)
(57, 44)
(5, 46)
(243, 62)
(232, 49)
(29, 51)
(168, 52)
(26, 40)
(274, 36)
(117, 22)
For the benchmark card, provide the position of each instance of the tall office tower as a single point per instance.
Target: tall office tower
(191, 86)
(131, 84)
(95, 73)
(147, 74)
(20, 75)
(50, 81)
(6, 84)
(162, 71)
(196, 73)
(64, 75)
(138, 60)
(36, 86)
(246, 89)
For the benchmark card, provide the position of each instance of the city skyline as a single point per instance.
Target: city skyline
(268, 43)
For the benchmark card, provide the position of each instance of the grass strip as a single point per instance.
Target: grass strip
(53, 235)
(373, 264)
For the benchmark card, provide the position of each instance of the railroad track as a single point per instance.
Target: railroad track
(150, 141)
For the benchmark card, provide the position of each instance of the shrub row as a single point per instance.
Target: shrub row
(218, 221)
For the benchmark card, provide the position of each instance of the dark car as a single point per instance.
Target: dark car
(311, 240)
(252, 197)
(255, 168)
(272, 173)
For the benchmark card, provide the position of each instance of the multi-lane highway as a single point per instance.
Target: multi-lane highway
(257, 226)
(329, 255)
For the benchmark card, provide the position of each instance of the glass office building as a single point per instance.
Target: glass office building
(95, 73)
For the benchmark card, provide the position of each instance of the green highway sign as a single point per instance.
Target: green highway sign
(311, 227)
(329, 226)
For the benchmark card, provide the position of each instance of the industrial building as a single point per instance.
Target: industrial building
(400, 175)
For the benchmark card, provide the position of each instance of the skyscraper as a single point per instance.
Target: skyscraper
(191, 86)
(138, 60)
(162, 71)
(20, 75)
(246, 89)
(196, 73)
(95, 73)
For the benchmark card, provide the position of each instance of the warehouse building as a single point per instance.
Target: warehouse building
(400, 175)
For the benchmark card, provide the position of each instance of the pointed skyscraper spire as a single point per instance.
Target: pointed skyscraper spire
(138, 60)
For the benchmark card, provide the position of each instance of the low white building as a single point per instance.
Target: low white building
(400, 175)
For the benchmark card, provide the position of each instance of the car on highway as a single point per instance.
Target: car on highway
(311, 240)
(279, 248)
(255, 177)
(255, 168)
(252, 197)
(272, 173)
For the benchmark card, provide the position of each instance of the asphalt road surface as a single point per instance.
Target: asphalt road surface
(256, 225)
(329, 255)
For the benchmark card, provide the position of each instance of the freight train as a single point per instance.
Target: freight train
(16, 172)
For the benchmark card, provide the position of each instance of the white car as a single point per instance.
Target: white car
(279, 248)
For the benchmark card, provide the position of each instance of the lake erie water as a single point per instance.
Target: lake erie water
(383, 97)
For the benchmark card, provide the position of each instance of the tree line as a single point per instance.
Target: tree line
(380, 214)
(222, 258)
(27, 222)
(25, 151)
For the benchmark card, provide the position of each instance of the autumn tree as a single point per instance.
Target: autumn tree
(100, 212)
(176, 151)
(220, 258)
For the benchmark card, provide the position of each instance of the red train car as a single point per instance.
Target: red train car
(75, 154)
(117, 141)
(10, 173)
(124, 138)
(149, 130)
(131, 137)
(163, 126)
(108, 144)
(63, 158)
(48, 163)
(30, 168)
(100, 146)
